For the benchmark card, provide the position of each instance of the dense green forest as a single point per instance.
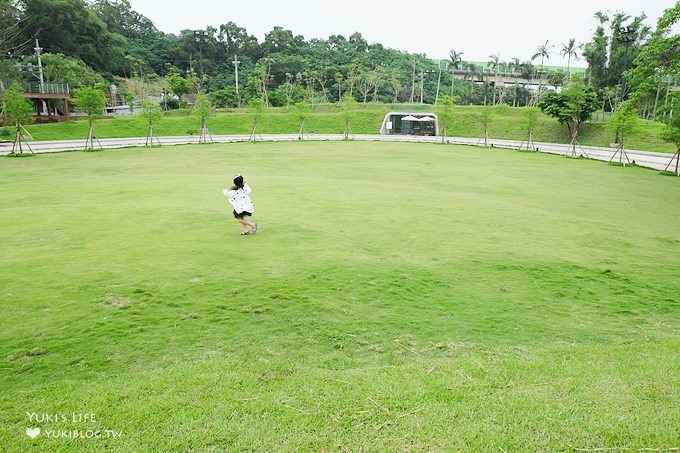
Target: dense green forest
(105, 42)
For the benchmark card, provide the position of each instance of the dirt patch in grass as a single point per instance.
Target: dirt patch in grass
(119, 302)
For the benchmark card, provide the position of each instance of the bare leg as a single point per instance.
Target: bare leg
(246, 224)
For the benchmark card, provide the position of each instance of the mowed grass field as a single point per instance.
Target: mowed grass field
(397, 297)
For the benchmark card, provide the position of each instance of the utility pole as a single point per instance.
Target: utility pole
(236, 62)
(201, 37)
(413, 80)
(38, 49)
(439, 80)
(422, 79)
(626, 37)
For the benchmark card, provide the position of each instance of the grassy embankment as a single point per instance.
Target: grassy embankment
(508, 123)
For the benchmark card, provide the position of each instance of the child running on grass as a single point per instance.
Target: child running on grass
(239, 198)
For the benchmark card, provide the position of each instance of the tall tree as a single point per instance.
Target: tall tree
(628, 35)
(397, 84)
(595, 52)
(357, 42)
(660, 58)
(515, 67)
(364, 84)
(528, 71)
(261, 78)
(570, 50)
(11, 39)
(456, 63)
(282, 41)
(59, 68)
(237, 41)
(120, 18)
(472, 74)
(616, 42)
(142, 37)
(71, 28)
(543, 52)
(495, 63)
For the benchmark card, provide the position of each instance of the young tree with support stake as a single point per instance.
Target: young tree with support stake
(256, 108)
(302, 111)
(203, 108)
(348, 106)
(152, 112)
(623, 122)
(17, 110)
(485, 117)
(90, 101)
(531, 118)
(444, 110)
(671, 134)
(572, 107)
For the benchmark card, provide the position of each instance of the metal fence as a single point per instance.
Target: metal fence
(47, 88)
(600, 117)
(42, 88)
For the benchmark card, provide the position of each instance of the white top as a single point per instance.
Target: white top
(240, 200)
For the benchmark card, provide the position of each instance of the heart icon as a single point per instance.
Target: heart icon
(33, 432)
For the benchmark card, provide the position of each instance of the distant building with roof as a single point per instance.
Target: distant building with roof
(410, 123)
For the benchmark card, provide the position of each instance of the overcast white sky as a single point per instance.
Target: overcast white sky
(478, 28)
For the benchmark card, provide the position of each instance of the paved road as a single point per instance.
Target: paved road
(657, 161)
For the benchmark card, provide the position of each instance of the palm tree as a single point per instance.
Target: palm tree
(455, 58)
(515, 68)
(528, 72)
(456, 61)
(515, 64)
(543, 52)
(569, 50)
(494, 63)
(472, 74)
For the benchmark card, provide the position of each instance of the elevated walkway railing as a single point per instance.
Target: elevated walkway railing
(47, 88)
(42, 88)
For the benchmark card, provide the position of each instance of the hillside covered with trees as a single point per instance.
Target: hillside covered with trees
(106, 42)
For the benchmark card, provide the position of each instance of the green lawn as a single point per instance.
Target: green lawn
(398, 297)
